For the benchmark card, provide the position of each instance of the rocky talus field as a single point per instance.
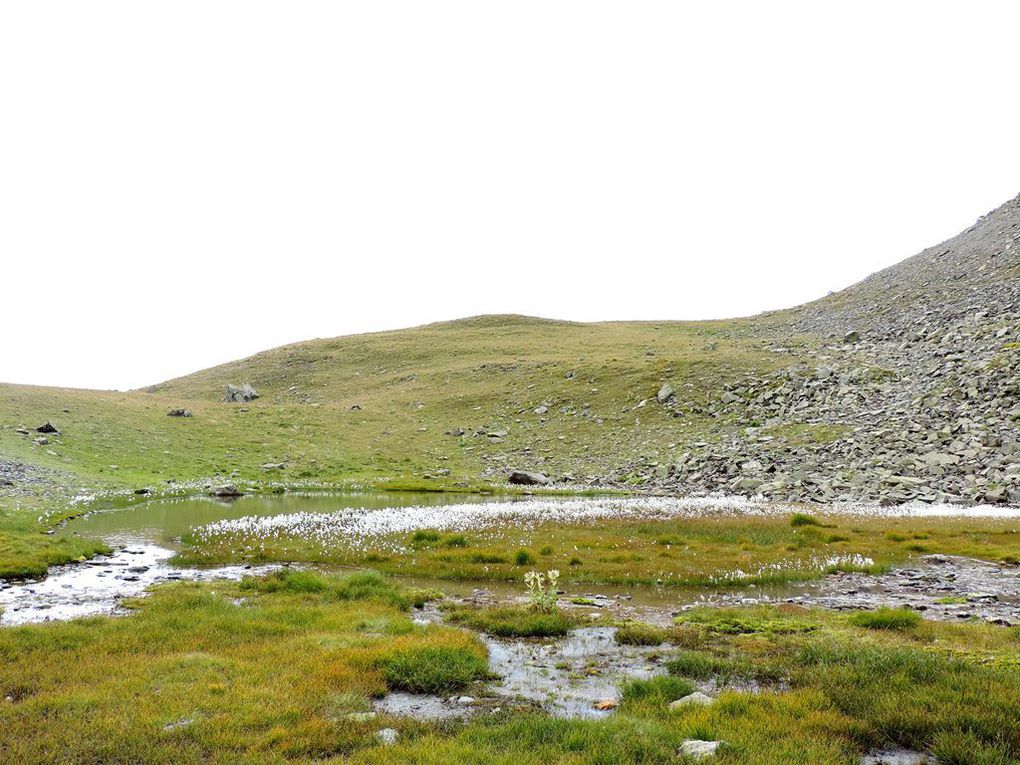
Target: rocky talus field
(916, 388)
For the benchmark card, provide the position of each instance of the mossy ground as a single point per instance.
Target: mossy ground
(715, 550)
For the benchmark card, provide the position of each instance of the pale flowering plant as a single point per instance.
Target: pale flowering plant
(542, 589)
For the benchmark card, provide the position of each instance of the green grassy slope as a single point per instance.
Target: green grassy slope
(411, 386)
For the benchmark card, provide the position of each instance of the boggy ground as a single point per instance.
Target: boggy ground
(648, 542)
(283, 668)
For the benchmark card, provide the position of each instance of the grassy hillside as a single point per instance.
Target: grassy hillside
(380, 405)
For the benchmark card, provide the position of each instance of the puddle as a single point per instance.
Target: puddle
(568, 676)
(97, 586)
(898, 757)
(427, 707)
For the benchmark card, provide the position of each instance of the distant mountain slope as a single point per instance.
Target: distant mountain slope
(975, 273)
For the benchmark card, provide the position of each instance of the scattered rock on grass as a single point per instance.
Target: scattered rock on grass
(387, 736)
(179, 413)
(695, 699)
(666, 393)
(697, 750)
(523, 478)
(240, 394)
(48, 427)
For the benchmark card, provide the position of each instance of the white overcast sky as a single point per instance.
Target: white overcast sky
(184, 183)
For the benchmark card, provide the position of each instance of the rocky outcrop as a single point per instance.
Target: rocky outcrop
(240, 394)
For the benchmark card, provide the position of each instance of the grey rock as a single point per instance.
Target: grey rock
(697, 698)
(179, 413)
(226, 490)
(665, 394)
(698, 750)
(240, 394)
(387, 736)
(524, 478)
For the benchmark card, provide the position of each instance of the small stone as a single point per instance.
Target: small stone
(48, 427)
(852, 338)
(697, 750)
(179, 413)
(697, 698)
(387, 736)
(665, 394)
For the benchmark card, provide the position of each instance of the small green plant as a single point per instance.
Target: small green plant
(803, 519)
(456, 540)
(542, 592)
(433, 669)
(638, 633)
(425, 538)
(887, 619)
(696, 665)
(486, 558)
(656, 692)
(524, 558)
(512, 621)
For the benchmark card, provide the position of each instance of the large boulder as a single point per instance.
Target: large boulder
(226, 490)
(523, 478)
(240, 394)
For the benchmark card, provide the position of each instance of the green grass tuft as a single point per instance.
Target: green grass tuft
(511, 621)
(887, 619)
(436, 669)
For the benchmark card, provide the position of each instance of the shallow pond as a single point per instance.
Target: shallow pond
(164, 521)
